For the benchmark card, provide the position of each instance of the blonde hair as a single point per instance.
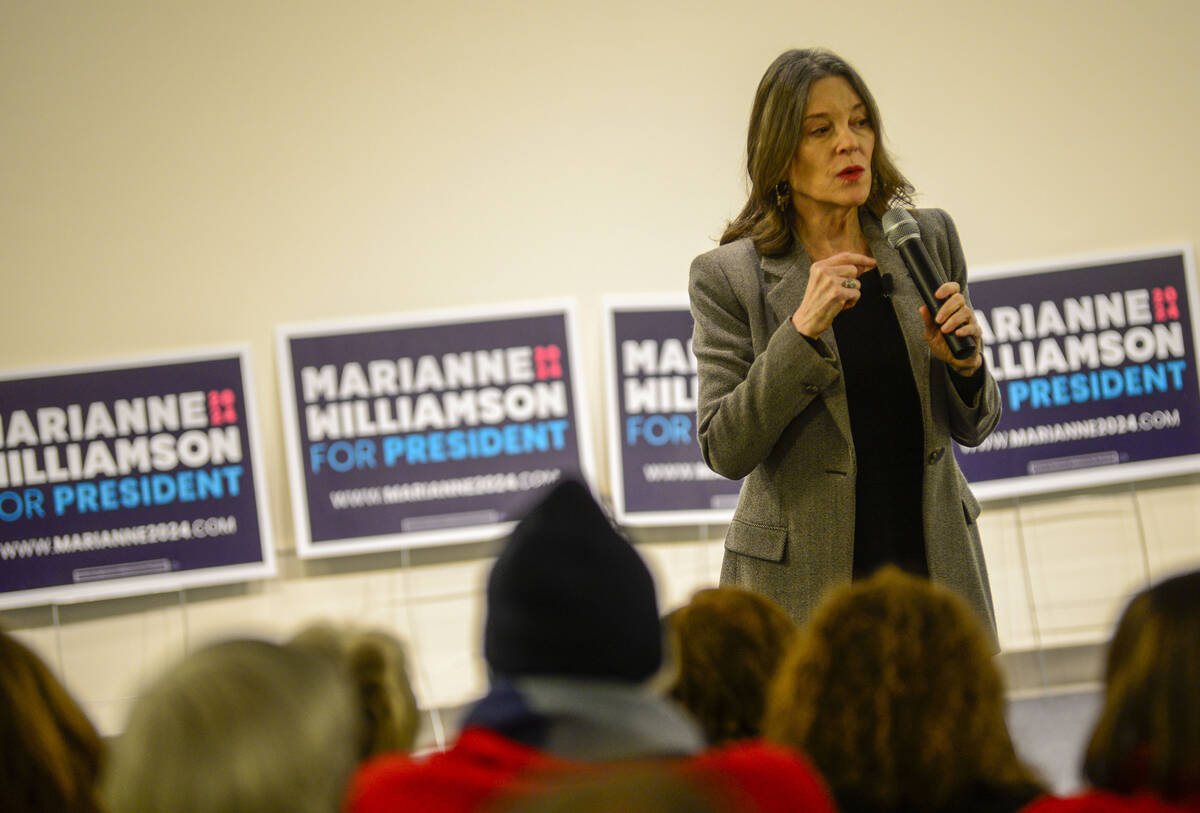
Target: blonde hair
(242, 727)
(378, 667)
(891, 691)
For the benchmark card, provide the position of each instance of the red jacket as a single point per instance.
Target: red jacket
(1098, 801)
(482, 764)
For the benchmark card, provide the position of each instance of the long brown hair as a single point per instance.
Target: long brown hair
(51, 752)
(775, 130)
(891, 690)
(1148, 735)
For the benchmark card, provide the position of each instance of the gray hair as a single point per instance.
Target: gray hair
(240, 727)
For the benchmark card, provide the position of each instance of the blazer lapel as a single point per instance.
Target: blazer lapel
(905, 302)
(785, 280)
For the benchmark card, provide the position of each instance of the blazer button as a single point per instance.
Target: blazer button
(936, 455)
(811, 388)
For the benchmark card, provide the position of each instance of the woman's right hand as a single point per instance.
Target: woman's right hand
(832, 288)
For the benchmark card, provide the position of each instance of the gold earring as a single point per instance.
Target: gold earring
(783, 195)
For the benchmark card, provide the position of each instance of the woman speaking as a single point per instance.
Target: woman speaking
(824, 381)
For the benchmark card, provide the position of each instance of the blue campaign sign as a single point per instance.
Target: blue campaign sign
(127, 477)
(1096, 362)
(426, 429)
(658, 475)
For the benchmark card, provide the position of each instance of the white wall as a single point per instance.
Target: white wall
(182, 174)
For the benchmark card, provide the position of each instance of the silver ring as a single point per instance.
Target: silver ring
(849, 283)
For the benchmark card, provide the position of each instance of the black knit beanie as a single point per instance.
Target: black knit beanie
(570, 596)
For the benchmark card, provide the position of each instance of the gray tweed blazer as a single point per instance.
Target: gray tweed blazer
(772, 408)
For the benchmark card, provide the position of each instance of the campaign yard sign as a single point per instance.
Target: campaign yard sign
(1096, 362)
(133, 476)
(427, 429)
(658, 475)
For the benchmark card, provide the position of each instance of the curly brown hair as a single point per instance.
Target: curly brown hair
(730, 642)
(775, 130)
(891, 690)
(1148, 734)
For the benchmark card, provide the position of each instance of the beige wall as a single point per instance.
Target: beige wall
(183, 174)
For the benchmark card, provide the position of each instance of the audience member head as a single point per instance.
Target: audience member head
(245, 726)
(378, 668)
(51, 752)
(570, 597)
(891, 691)
(729, 641)
(1148, 735)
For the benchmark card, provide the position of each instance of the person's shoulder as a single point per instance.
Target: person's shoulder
(1097, 801)
(935, 221)
(773, 777)
(478, 765)
(735, 253)
(380, 781)
(736, 261)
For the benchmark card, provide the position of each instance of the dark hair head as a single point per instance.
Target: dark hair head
(775, 130)
(1148, 735)
(891, 690)
(51, 751)
(729, 643)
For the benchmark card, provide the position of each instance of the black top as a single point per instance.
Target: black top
(889, 437)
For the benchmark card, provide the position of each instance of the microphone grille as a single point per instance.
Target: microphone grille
(899, 226)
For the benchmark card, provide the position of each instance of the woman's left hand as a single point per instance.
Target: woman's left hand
(953, 316)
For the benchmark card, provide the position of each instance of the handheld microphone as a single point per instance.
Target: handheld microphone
(904, 235)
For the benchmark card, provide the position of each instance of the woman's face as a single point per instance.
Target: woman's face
(832, 164)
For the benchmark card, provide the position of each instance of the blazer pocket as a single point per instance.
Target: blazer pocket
(767, 542)
(971, 507)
